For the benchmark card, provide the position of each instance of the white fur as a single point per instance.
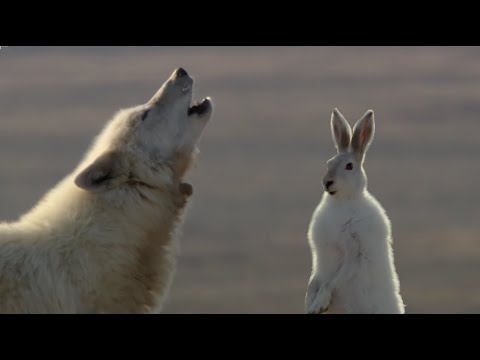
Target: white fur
(350, 235)
(103, 240)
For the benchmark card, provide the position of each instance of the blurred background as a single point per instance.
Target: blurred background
(258, 179)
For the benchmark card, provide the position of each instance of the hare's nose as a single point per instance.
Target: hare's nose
(328, 184)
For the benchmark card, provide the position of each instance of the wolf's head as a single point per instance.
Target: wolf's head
(148, 146)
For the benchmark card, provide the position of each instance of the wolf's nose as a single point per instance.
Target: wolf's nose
(181, 72)
(328, 184)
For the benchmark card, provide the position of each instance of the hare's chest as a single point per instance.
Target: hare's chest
(336, 228)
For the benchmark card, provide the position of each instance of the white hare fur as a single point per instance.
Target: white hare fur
(103, 240)
(350, 234)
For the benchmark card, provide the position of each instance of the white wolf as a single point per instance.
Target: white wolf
(350, 234)
(103, 240)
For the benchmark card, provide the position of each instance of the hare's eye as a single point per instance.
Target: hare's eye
(144, 115)
(349, 166)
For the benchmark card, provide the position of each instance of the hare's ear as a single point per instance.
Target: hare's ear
(363, 132)
(341, 131)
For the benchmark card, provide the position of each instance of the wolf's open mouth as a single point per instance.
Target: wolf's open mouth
(199, 108)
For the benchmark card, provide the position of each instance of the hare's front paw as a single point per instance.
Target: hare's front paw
(320, 303)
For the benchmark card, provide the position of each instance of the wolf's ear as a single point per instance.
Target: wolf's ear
(341, 131)
(101, 173)
(363, 132)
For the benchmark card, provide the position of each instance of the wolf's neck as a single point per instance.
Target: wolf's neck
(85, 215)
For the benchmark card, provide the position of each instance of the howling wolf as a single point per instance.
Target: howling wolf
(103, 240)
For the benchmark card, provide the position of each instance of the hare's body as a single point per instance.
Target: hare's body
(350, 236)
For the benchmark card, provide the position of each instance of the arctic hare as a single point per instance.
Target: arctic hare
(350, 234)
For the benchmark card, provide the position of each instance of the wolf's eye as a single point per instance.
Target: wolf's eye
(349, 166)
(144, 115)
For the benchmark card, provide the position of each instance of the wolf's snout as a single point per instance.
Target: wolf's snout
(180, 72)
(180, 78)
